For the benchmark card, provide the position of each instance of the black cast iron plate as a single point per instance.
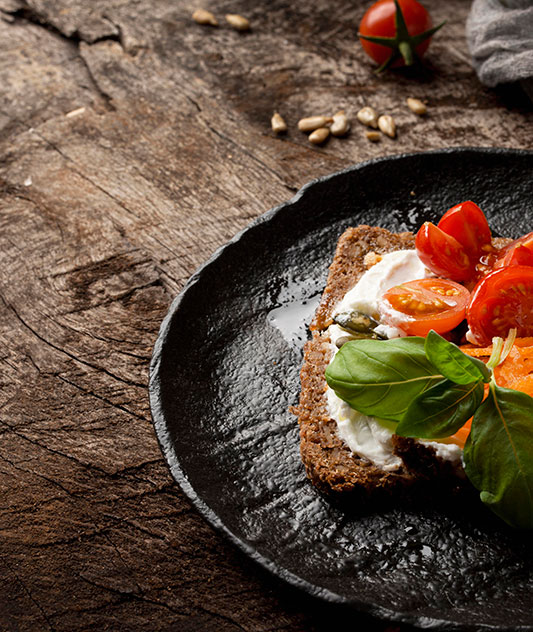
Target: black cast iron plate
(225, 371)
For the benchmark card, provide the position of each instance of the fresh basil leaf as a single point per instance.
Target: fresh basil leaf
(441, 410)
(498, 455)
(381, 377)
(452, 362)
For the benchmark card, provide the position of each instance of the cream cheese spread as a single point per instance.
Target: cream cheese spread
(367, 436)
(393, 269)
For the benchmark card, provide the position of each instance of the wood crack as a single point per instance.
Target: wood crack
(95, 265)
(249, 154)
(101, 398)
(130, 596)
(107, 340)
(193, 102)
(72, 166)
(124, 297)
(83, 176)
(29, 14)
(123, 562)
(106, 97)
(26, 13)
(42, 476)
(30, 595)
(133, 525)
(67, 353)
(87, 466)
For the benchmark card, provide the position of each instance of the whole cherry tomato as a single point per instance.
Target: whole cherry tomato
(501, 301)
(442, 253)
(418, 306)
(396, 32)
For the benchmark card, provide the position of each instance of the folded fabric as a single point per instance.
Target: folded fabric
(500, 38)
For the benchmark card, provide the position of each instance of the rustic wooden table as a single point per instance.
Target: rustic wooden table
(135, 142)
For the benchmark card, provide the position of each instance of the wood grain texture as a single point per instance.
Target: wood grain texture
(133, 143)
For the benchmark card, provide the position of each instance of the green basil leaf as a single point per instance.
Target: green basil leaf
(381, 377)
(498, 455)
(441, 410)
(452, 362)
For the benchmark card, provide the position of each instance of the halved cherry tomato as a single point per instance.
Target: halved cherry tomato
(380, 22)
(501, 301)
(442, 253)
(418, 306)
(467, 223)
(519, 252)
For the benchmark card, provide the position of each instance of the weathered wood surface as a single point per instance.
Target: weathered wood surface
(134, 142)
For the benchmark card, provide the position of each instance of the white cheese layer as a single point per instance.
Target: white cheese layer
(367, 436)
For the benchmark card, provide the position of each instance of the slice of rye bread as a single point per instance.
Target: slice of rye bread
(332, 467)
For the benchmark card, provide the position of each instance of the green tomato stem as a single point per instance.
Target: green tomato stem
(406, 52)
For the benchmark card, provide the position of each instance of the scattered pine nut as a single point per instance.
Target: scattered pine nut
(368, 116)
(374, 137)
(75, 112)
(416, 106)
(340, 125)
(238, 22)
(387, 125)
(278, 123)
(201, 16)
(319, 135)
(314, 122)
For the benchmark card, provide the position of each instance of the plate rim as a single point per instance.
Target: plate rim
(159, 423)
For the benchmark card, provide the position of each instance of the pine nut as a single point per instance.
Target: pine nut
(75, 112)
(368, 116)
(313, 122)
(416, 106)
(387, 125)
(238, 22)
(340, 125)
(278, 123)
(201, 16)
(373, 137)
(319, 135)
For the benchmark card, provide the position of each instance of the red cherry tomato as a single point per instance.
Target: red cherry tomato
(442, 253)
(467, 223)
(379, 21)
(418, 306)
(518, 252)
(501, 301)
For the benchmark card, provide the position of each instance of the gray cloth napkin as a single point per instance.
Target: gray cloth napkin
(500, 38)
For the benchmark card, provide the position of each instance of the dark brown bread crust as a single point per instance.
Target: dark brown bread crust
(329, 463)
